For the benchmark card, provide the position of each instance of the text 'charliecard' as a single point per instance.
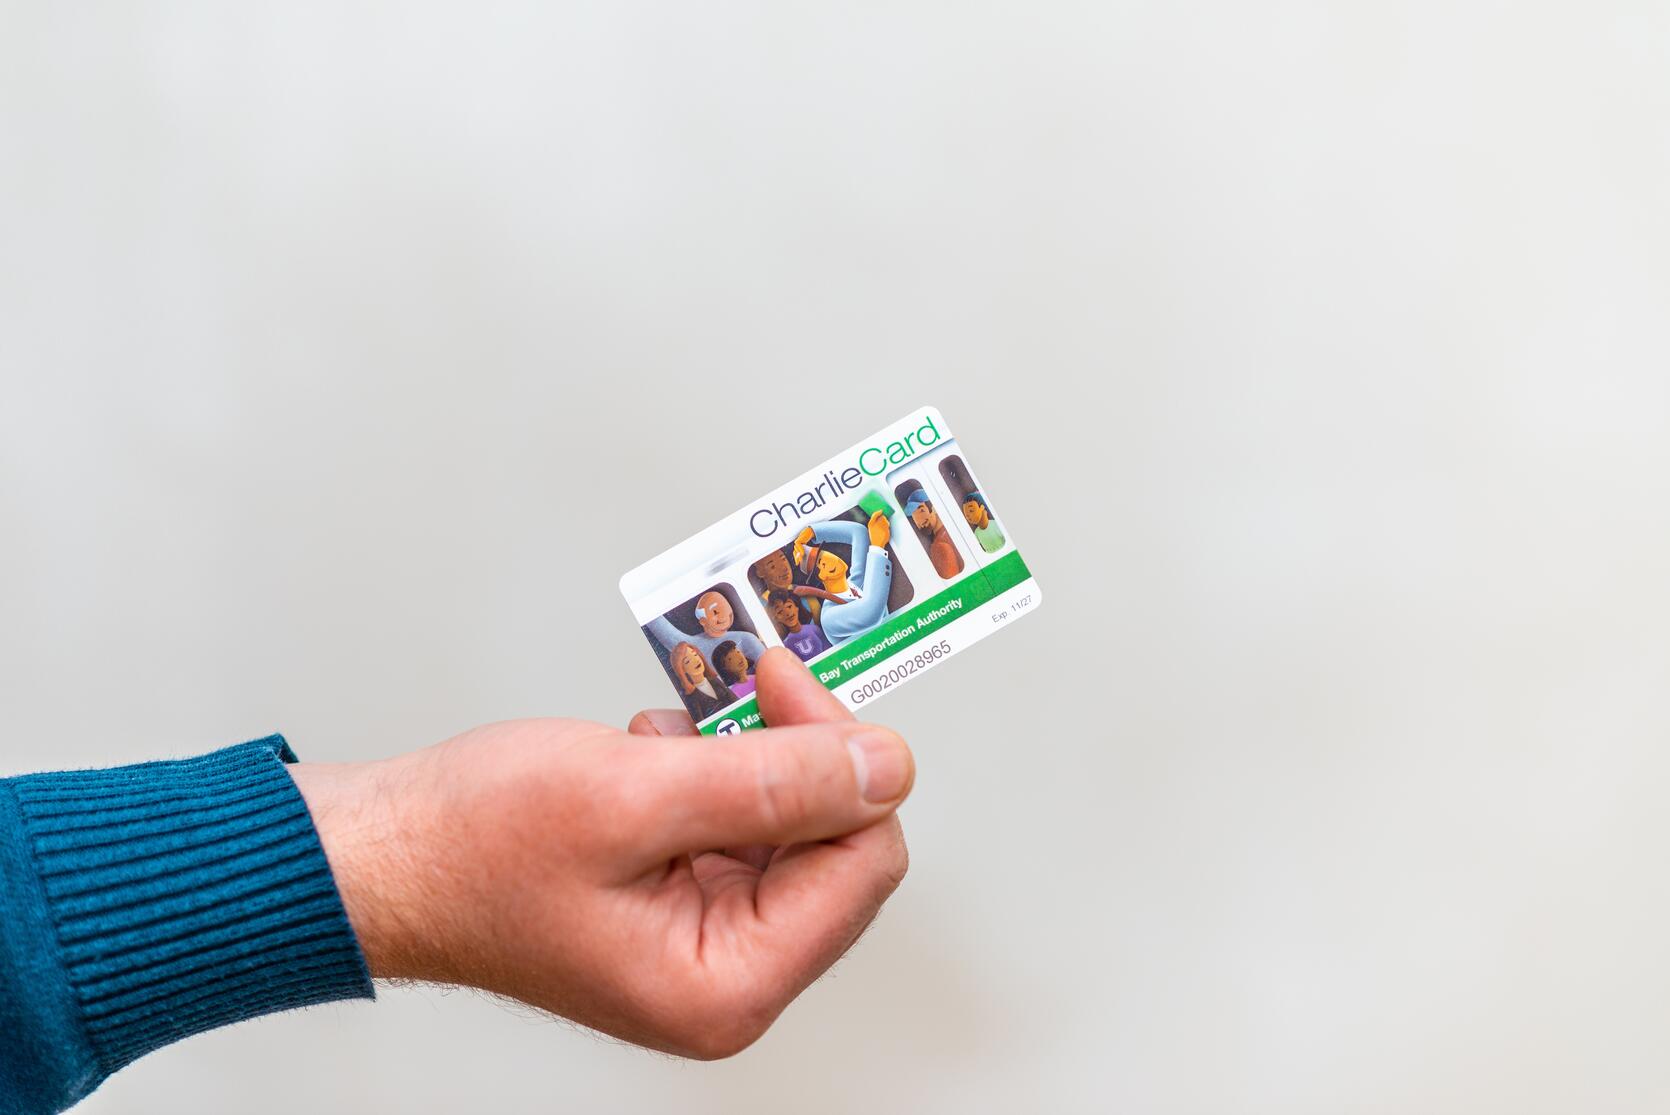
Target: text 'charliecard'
(873, 568)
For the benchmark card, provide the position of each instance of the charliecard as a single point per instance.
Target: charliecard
(873, 567)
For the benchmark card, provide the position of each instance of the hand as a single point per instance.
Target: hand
(573, 866)
(881, 531)
(806, 534)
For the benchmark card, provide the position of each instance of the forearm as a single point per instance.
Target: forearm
(151, 902)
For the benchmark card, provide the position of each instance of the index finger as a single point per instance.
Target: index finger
(662, 722)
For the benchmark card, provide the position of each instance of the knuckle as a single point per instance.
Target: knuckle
(781, 788)
(721, 1040)
(892, 870)
(724, 1023)
(896, 868)
(605, 799)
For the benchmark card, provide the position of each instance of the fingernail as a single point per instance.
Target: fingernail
(669, 722)
(882, 763)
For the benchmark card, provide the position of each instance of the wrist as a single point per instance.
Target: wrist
(374, 820)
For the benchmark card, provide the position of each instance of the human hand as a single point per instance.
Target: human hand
(577, 867)
(800, 540)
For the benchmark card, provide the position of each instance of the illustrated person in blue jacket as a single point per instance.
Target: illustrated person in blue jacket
(854, 597)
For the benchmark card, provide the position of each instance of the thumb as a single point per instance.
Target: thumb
(789, 694)
(776, 786)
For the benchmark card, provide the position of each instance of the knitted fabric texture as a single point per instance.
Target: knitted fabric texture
(147, 903)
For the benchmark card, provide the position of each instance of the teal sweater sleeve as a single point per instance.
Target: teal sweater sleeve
(147, 903)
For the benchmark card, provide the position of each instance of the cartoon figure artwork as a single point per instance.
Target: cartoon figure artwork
(776, 573)
(798, 633)
(814, 566)
(703, 693)
(979, 517)
(976, 512)
(930, 528)
(854, 594)
(705, 662)
(733, 668)
(716, 617)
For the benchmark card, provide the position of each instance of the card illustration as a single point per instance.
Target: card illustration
(735, 670)
(704, 694)
(818, 566)
(687, 640)
(854, 589)
(795, 625)
(930, 528)
(976, 511)
(834, 581)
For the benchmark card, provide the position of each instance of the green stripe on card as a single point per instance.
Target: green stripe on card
(843, 663)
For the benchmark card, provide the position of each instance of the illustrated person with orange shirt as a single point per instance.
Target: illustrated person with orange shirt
(941, 550)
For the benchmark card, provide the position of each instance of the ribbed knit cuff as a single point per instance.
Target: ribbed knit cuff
(187, 895)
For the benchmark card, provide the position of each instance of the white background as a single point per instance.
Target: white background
(1316, 355)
